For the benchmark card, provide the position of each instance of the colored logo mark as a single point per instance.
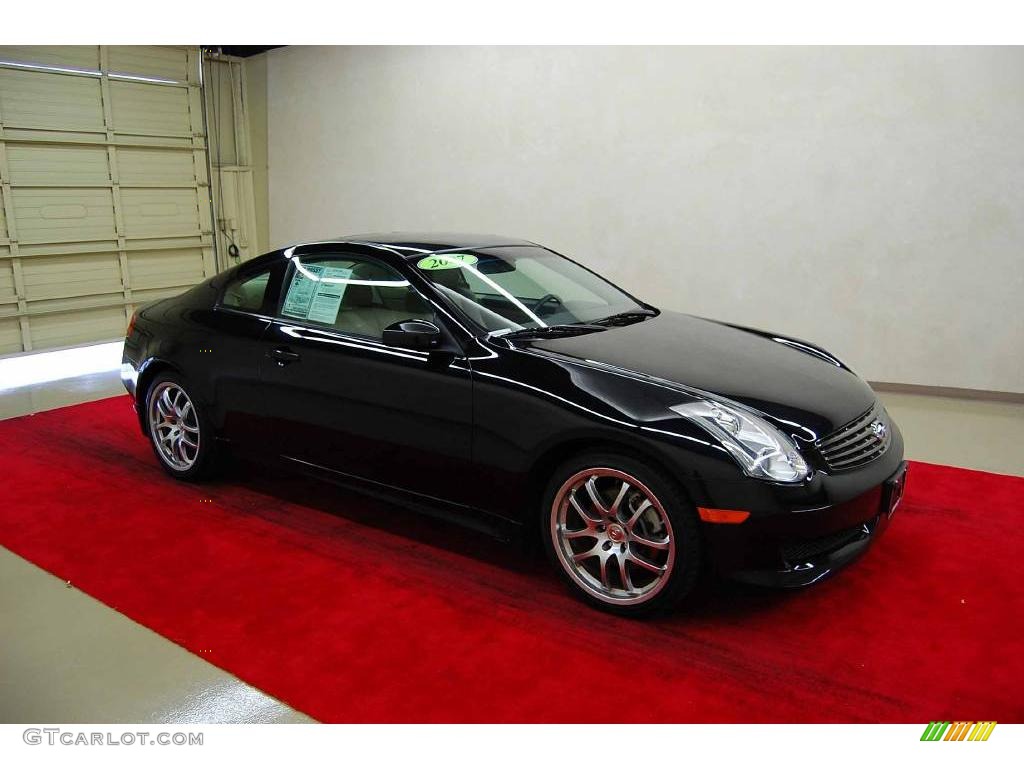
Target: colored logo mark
(958, 731)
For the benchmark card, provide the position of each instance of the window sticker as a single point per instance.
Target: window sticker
(315, 293)
(447, 261)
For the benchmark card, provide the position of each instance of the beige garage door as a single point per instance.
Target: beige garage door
(103, 174)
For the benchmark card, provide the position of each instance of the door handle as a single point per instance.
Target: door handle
(283, 356)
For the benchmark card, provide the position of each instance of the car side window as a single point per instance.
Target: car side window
(247, 293)
(351, 295)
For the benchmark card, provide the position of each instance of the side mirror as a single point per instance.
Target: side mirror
(413, 334)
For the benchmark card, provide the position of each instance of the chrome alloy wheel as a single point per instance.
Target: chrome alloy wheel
(174, 426)
(612, 536)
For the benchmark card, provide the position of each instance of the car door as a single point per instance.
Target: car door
(230, 351)
(343, 401)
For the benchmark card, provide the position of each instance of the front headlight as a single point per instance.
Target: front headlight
(761, 449)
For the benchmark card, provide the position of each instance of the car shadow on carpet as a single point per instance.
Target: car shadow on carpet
(713, 597)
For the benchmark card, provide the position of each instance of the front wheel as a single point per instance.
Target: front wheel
(179, 431)
(621, 534)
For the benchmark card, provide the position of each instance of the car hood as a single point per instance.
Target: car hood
(791, 382)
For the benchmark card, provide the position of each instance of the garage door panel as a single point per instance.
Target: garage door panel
(58, 277)
(84, 325)
(63, 215)
(156, 166)
(50, 100)
(69, 249)
(74, 304)
(150, 109)
(10, 336)
(162, 269)
(165, 63)
(73, 56)
(51, 164)
(6, 281)
(160, 212)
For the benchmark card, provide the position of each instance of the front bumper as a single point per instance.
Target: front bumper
(797, 536)
(803, 561)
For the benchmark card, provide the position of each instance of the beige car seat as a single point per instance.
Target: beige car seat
(369, 309)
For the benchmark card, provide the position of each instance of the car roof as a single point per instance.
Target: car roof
(412, 244)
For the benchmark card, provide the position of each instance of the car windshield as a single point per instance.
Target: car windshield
(523, 287)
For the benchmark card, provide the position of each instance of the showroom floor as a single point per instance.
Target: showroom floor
(69, 658)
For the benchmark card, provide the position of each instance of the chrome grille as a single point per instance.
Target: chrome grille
(858, 442)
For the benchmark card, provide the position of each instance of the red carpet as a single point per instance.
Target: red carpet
(351, 610)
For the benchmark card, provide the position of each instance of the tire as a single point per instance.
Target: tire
(179, 430)
(647, 537)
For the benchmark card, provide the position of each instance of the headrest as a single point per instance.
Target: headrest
(358, 295)
(450, 278)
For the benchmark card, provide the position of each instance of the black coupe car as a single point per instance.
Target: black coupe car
(497, 382)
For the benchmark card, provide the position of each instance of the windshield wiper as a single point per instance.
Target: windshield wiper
(625, 318)
(553, 331)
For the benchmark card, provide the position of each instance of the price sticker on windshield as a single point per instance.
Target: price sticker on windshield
(447, 261)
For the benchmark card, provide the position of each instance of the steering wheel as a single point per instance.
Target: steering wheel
(548, 298)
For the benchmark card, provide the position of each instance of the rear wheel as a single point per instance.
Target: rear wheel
(621, 534)
(178, 429)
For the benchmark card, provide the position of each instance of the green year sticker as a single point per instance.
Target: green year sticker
(447, 261)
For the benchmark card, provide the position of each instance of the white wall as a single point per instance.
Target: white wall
(869, 199)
